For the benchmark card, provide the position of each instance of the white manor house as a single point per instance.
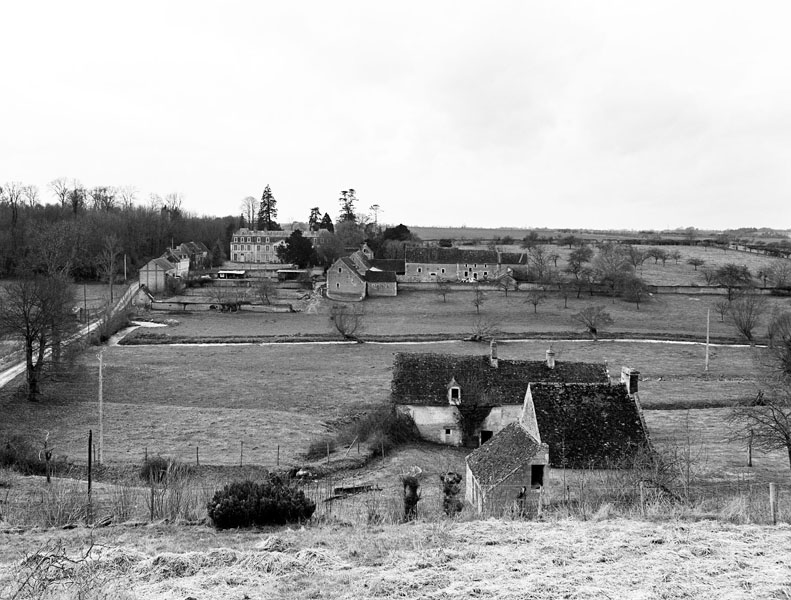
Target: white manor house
(254, 246)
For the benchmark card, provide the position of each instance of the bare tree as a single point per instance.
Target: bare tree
(535, 297)
(103, 198)
(635, 290)
(443, 288)
(593, 318)
(12, 194)
(779, 328)
(347, 319)
(249, 206)
(37, 311)
(746, 311)
(127, 194)
(675, 255)
(265, 289)
(60, 187)
(696, 262)
(107, 261)
(31, 195)
(722, 307)
(478, 297)
(780, 272)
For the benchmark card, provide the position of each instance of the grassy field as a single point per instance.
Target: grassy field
(425, 313)
(172, 399)
(602, 558)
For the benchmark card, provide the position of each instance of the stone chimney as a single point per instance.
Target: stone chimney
(493, 354)
(629, 378)
(551, 358)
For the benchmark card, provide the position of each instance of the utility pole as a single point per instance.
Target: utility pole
(101, 411)
(708, 328)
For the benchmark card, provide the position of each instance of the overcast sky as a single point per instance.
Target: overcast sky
(559, 114)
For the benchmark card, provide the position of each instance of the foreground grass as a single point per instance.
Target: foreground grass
(608, 558)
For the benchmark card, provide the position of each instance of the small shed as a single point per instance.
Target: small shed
(381, 283)
(507, 473)
(154, 274)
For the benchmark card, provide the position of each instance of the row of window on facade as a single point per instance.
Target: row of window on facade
(248, 247)
(442, 271)
(254, 239)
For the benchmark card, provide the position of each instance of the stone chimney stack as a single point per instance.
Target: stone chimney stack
(629, 378)
(551, 358)
(493, 354)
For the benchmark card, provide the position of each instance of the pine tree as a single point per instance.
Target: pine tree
(347, 201)
(267, 212)
(314, 219)
(326, 223)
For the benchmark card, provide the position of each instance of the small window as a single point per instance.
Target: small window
(448, 431)
(258, 248)
(442, 271)
(420, 269)
(267, 240)
(340, 270)
(248, 239)
(485, 273)
(337, 285)
(455, 394)
(536, 476)
(432, 274)
(258, 239)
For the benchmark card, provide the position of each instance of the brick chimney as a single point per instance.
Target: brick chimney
(629, 378)
(551, 358)
(493, 354)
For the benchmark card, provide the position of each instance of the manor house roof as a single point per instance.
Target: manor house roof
(422, 378)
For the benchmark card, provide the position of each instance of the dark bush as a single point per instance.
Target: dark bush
(19, 454)
(158, 469)
(318, 448)
(248, 504)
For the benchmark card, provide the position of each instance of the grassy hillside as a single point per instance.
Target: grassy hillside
(602, 558)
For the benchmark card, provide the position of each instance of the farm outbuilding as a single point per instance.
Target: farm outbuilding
(508, 473)
(155, 272)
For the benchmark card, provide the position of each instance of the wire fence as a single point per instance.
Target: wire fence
(349, 500)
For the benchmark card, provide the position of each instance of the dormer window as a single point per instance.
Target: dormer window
(454, 392)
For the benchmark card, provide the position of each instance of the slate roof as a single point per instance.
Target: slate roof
(449, 256)
(455, 256)
(374, 276)
(587, 424)
(397, 265)
(506, 452)
(350, 264)
(423, 378)
(162, 263)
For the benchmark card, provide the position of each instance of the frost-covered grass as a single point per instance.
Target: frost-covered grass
(607, 558)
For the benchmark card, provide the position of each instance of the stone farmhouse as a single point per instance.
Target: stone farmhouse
(467, 400)
(430, 264)
(174, 262)
(254, 246)
(358, 276)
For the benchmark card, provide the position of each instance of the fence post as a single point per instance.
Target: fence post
(750, 450)
(197, 456)
(773, 502)
(90, 449)
(152, 499)
(241, 453)
(642, 498)
(278, 455)
(328, 452)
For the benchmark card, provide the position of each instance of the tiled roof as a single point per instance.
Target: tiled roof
(422, 378)
(507, 451)
(374, 276)
(587, 424)
(162, 263)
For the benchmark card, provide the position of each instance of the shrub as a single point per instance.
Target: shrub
(19, 454)
(318, 448)
(247, 503)
(158, 469)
